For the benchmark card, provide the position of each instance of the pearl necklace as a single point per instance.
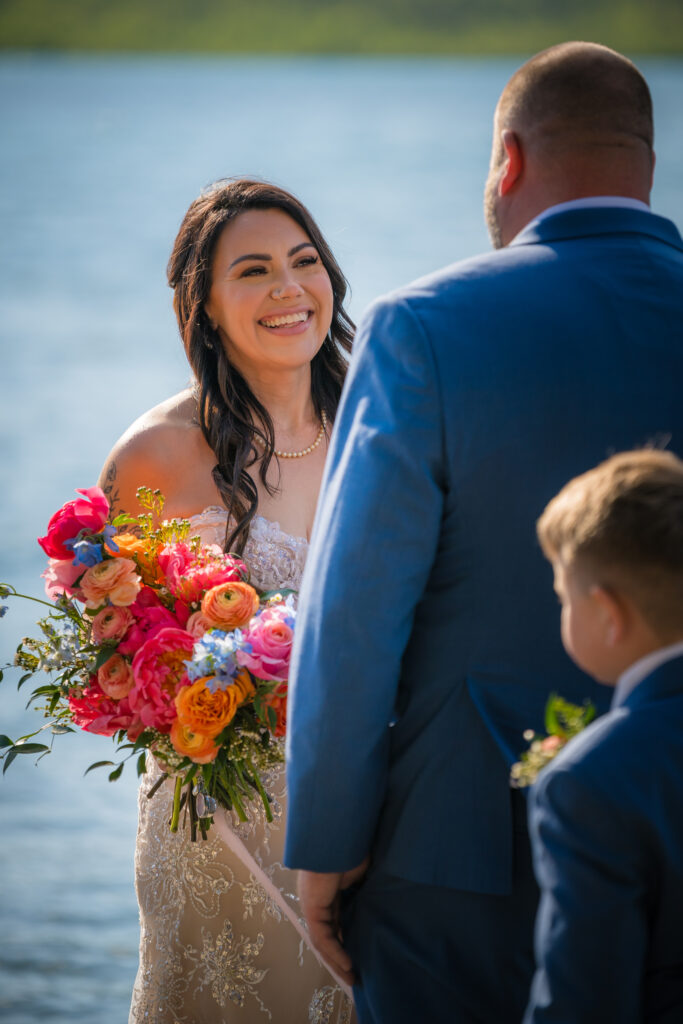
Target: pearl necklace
(304, 451)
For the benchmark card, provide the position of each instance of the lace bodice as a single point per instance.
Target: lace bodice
(275, 558)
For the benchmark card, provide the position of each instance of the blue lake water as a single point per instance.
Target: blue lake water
(99, 160)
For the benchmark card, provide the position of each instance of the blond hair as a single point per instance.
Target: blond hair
(621, 524)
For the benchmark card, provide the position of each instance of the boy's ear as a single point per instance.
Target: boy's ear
(612, 612)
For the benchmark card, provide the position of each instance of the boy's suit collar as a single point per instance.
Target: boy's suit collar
(665, 681)
(608, 220)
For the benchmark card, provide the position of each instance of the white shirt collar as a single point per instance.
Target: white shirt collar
(642, 668)
(588, 203)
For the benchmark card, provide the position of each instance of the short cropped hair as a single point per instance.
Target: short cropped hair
(580, 88)
(621, 525)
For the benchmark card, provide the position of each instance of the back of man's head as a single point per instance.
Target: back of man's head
(578, 94)
(574, 121)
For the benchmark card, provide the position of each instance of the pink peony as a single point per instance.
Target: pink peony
(60, 576)
(269, 636)
(189, 574)
(115, 580)
(115, 677)
(148, 616)
(87, 513)
(93, 711)
(110, 624)
(159, 671)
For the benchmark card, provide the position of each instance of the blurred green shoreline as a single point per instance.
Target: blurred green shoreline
(353, 27)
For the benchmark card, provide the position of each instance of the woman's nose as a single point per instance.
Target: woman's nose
(286, 286)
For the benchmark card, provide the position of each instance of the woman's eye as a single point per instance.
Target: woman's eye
(253, 271)
(308, 261)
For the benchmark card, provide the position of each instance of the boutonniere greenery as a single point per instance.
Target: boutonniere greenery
(562, 721)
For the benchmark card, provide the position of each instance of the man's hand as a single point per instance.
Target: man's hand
(319, 896)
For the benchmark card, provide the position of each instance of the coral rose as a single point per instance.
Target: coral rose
(269, 643)
(197, 625)
(552, 743)
(115, 677)
(160, 672)
(110, 624)
(114, 580)
(87, 513)
(203, 711)
(196, 746)
(230, 605)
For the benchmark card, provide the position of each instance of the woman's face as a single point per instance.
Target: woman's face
(270, 297)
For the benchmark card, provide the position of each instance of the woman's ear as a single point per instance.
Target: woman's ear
(212, 322)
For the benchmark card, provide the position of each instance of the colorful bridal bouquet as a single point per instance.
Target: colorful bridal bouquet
(562, 721)
(160, 642)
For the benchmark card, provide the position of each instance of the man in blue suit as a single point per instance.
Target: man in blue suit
(607, 815)
(426, 637)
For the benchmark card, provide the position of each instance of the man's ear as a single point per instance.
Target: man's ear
(612, 612)
(513, 166)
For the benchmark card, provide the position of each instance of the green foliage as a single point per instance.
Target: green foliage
(566, 720)
(339, 26)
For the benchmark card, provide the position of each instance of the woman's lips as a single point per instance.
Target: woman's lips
(292, 322)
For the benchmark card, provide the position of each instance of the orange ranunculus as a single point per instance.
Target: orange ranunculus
(199, 748)
(114, 580)
(205, 712)
(131, 546)
(244, 686)
(229, 605)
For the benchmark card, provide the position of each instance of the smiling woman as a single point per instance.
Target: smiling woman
(258, 298)
(271, 296)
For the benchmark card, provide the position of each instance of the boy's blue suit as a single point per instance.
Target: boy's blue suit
(427, 639)
(607, 825)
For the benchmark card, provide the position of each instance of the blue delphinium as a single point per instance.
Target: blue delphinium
(215, 655)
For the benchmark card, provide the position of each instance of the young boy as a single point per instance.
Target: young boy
(606, 816)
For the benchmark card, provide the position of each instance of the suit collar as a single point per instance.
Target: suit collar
(608, 220)
(665, 681)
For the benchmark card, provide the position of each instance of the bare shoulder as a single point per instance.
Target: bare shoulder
(164, 448)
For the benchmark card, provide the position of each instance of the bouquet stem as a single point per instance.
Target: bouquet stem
(175, 816)
(263, 795)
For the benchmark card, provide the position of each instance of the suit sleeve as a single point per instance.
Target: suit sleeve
(374, 542)
(591, 928)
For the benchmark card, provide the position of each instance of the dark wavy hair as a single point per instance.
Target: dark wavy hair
(226, 406)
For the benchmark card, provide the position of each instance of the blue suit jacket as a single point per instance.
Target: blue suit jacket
(428, 634)
(607, 829)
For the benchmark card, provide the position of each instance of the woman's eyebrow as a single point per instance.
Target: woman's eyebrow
(264, 256)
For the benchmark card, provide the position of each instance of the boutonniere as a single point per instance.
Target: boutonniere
(562, 721)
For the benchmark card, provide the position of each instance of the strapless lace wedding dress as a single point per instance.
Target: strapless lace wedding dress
(222, 937)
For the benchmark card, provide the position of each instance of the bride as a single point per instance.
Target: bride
(258, 297)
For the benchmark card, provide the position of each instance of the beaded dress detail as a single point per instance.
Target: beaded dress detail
(222, 938)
